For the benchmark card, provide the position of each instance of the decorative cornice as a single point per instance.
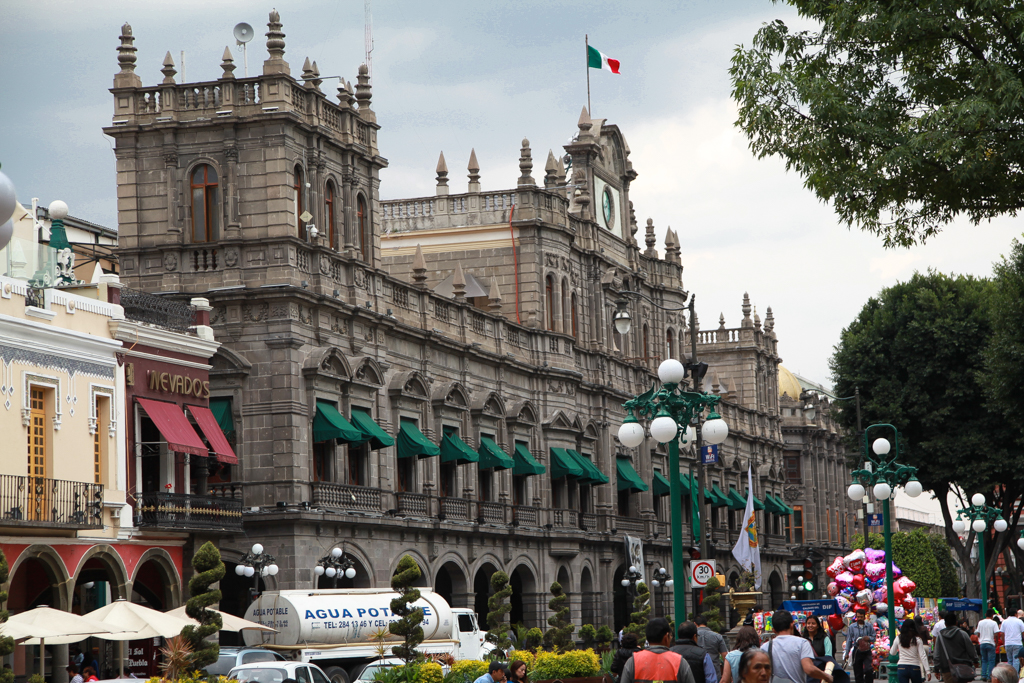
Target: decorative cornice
(166, 340)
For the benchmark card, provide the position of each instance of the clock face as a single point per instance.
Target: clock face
(608, 207)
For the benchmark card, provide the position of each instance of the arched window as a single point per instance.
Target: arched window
(205, 204)
(365, 239)
(670, 344)
(329, 214)
(647, 354)
(572, 313)
(550, 301)
(300, 208)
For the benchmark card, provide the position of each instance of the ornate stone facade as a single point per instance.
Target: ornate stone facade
(483, 313)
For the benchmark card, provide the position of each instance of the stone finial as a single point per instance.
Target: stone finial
(344, 94)
(307, 73)
(494, 298)
(584, 124)
(746, 311)
(582, 194)
(459, 283)
(757, 319)
(127, 78)
(551, 171)
(419, 269)
(316, 77)
(650, 240)
(633, 227)
(526, 165)
(275, 46)
(721, 321)
(227, 63)
(364, 92)
(474, 172)
(561, 171)
(672, 247)
(442, 176)
(168, 71)
(769, 321)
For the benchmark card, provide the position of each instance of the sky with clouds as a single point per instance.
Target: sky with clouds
(456, 75)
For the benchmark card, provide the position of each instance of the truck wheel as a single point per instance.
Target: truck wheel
(336, 674)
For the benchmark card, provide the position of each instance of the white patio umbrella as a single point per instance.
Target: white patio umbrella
(36, 626)
(231, 622)
(135, 622)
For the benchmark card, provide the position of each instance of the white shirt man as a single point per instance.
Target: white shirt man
(1012, 629)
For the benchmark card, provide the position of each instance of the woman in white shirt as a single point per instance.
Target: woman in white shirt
(913, 663)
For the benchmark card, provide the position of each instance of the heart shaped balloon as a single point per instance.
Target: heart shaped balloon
(904, 585)
(858, 581)
(873, 555)
(854, 561)
(909, 603)
(874, 570)
(844, 604)
(835, 568)
(845, 579)
(835, 622)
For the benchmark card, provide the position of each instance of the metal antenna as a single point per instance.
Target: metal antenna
(368, 37)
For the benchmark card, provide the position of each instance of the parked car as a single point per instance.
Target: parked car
(367, 673)
(277, 672)
(231, 657)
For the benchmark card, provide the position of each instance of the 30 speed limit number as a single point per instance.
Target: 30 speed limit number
(701, 572)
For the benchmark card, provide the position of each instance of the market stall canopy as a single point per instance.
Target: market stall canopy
(52, 626)
(231, 622)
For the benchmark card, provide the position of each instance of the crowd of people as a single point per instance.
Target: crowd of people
(951, 651)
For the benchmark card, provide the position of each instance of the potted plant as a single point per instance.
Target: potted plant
(743, 597)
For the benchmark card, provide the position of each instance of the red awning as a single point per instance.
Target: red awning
(219, 442)
(174, 427)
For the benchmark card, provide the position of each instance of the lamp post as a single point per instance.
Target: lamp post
(661, 579)
(631, 578)
(334, 565)
(671, 411)
(980, 516)
(882, 473)
(257, 563)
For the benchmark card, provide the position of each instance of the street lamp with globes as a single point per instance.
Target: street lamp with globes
(334, 565)
(661, 579)
(980, 515)
(255, 564)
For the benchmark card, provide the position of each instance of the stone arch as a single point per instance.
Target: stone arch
(564, 578)
(588, 596)
(328, 361)
(482, 587)
(38, 577)
(157, 580)
(226, 362)
(410, 384)
(527, 594)
(451, 580)
(368, 371)
(104, 558)
(776, 590)
(524, 412)
(489, 403)
(451, 394)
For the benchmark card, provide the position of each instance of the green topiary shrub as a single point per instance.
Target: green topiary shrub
(912, 552)
(497, 627)
(712, 610)
(642, 611)
(209, 569)
(534, 637)
(588, 634)
(572, 664)
(559, 636)
(605, 635)
(408, 626)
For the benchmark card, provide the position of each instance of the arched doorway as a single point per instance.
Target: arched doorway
(621, 598)
(482, 591)
(236, 596)
(155, 585)
(37, 579)
(775, 590)
(524, 598)
(451, 584)
(588, 602)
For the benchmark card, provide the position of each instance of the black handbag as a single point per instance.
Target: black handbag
(962, 673)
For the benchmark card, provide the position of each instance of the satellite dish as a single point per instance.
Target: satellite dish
(243, 33)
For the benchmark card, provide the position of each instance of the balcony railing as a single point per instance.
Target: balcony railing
(455, 509)
(492, 513)
(566, 519)
(38, 501)
(588, 522)
(228, 490)
(184, 511)
(348, 497)
(157, 310)
(525, 515)
(412, 504)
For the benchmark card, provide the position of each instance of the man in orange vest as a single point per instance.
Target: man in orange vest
(657, 663)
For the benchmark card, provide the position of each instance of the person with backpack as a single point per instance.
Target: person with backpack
(955, 656)
(657, 663)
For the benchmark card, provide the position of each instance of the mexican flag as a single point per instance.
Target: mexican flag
(599, 60)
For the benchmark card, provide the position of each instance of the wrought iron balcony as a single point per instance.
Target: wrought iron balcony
(157, 310)
(184, 511)
(42, 502)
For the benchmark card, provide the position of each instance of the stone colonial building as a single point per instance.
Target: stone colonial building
(436, 376)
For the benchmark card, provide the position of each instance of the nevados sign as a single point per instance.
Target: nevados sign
(178, 384)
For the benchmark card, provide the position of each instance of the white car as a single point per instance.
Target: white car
(278, 672)
(367, 673)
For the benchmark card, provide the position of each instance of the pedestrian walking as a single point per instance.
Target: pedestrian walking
(912, 666)
(627, 646)
(755, 667)
(1012, 628)
(857, 630)
(713, 643)
(862, 662)
(698, 659)
(746, 638)
(1002, 673)
(657, 662)
(816, 636)
(954, 653)
(791, 656)
(987, 630)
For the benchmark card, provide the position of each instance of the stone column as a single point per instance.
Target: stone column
(350, 212)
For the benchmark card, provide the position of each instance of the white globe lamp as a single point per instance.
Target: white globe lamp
(689, 435)
(331, 572)
(249, 571)
(882, 491)
(1020, 543)
(959, 526)
(257, 548)
(273, 569)
(664, 429)
(631, 434)
(335, 553)
(655, 583)
(669, 583)
(999, 525)
(58, 210)
(350, 573)
(318, 570)
(240, 569)
(881, 446)
(978, 525)
(8, 198)
(622, 321)
(671, 371)
(632, 569)
(855, 492)
(913, 488)
(715, 430)
(625, 582)
(978, 499)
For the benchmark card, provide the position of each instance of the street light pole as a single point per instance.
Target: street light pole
(980, 516)
(257, 563)
(699, 441)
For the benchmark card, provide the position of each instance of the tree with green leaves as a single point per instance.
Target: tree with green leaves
(949, 583)
(209, 569)
(903, 115)
(6, 642)
(408, 625)
(912, 553)
(1003, 374)
(916, 352)
(712, 610)
(559, 636)
(641, 611)
(497, 627)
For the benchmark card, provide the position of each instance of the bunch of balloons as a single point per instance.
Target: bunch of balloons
(858, 583)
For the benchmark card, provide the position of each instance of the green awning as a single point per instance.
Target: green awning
(492, 457)
(330, 424)
(758, 505)
(372, 433)
(525, 463)
(784, 509)
(221, 409)
(715, 495)
(736, 501)
(591, 474)
(564, 465)
(411, 442)
(772, 506)
(454, 449)
(661, 485)
(627, 477)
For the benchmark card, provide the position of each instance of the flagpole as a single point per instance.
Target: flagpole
(586, 41)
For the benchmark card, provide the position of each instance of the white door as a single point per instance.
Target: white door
(471, 638)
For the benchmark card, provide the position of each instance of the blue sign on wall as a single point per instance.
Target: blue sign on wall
(709, 455)
(875, 519)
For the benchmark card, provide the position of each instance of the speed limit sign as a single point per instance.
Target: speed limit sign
(701, 572)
